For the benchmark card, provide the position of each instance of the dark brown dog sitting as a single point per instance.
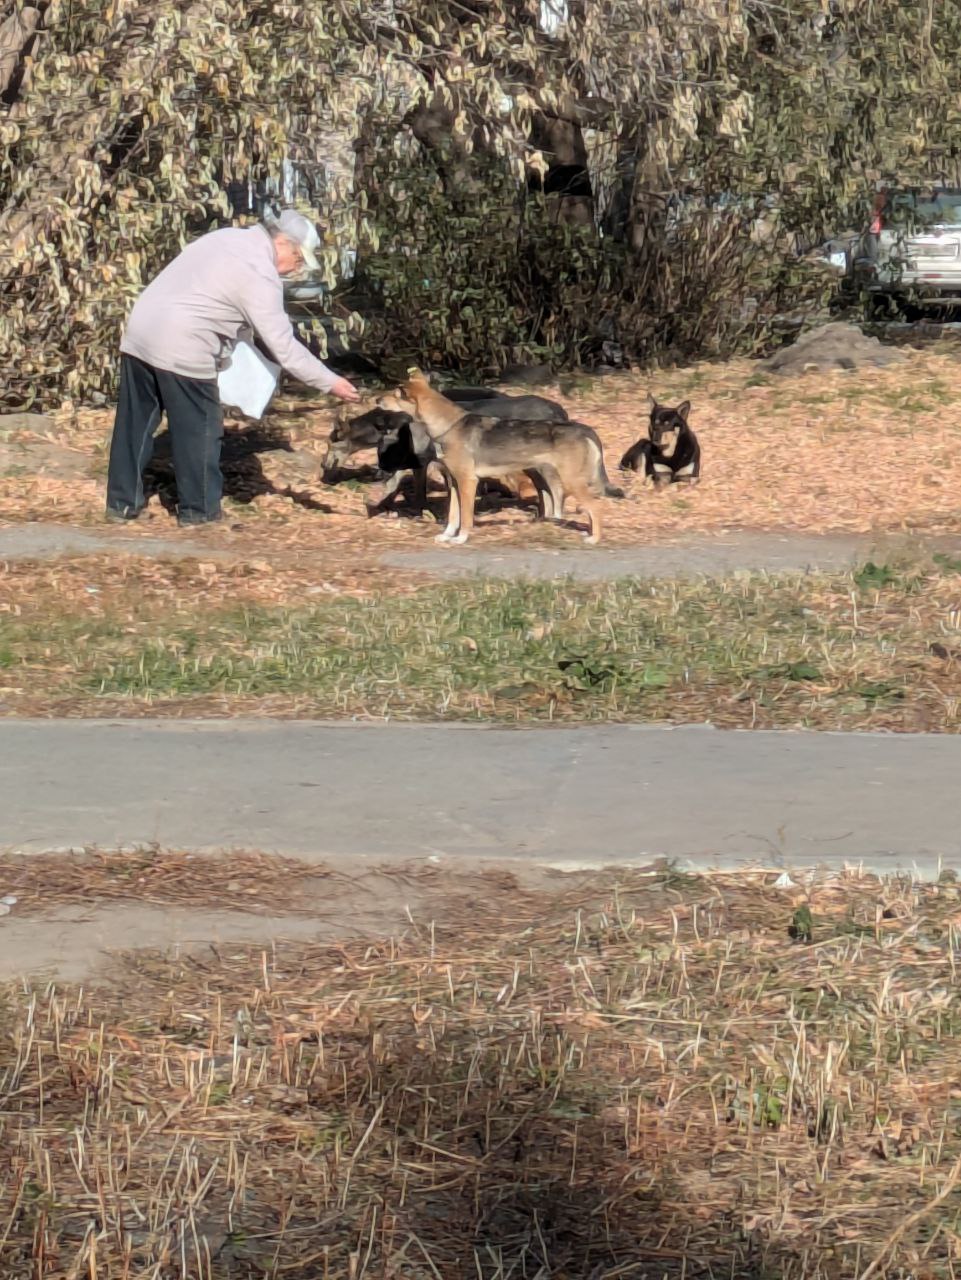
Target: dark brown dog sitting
(670, 451)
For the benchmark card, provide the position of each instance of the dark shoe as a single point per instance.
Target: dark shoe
(113, 516)
(198, 522)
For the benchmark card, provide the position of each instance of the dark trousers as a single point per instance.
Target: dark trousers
(196, 424)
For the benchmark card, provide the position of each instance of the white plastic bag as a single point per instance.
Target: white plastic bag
(249, 381)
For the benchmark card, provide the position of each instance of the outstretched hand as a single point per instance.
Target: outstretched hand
(345, 390)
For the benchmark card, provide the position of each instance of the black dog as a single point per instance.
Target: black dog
(404, 450)
(467, 395)
(352, 435)
(496, 405)
(519, 408)
(670, 452)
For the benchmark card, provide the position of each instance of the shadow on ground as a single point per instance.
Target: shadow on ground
(491, 496)
(244, 475)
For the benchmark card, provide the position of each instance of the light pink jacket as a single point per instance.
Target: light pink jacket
(192, 313)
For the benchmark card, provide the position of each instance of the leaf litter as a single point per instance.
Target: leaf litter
(823, 452)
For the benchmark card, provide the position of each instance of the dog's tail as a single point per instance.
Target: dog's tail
(610, 490)
(602, 482)
(637, 456)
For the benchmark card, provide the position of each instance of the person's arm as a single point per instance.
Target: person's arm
(264, 310)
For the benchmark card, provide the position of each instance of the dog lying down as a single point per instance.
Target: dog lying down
(670, 451)
(400, 456)
(567, 456)
(520, 408)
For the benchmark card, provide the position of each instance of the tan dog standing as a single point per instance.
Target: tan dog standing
(473, 447)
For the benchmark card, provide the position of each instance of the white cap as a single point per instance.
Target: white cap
(302, 232)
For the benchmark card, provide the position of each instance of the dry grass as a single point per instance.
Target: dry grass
(877, 649)
(629, 1076)
(856, 451)
(132, 586)
(238, 881)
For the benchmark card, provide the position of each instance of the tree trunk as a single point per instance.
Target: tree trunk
(567, 183)
(651, 187)
(17, 34)
(432, 124)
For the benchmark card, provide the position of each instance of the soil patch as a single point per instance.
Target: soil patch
(69, 913)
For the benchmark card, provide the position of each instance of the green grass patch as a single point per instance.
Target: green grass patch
(924, 399)
(946, 563)
(839, 651)
(875, 575)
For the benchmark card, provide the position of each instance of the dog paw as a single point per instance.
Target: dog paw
(459, 539)
(444, 537)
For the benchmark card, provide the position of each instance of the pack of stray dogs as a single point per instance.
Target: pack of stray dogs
(525, 445)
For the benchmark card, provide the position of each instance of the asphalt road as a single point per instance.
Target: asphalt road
(579, 796)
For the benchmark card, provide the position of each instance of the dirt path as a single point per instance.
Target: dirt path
(753, 551)
(750, 551)
(346, 899)
(51, 541)
(75, 943)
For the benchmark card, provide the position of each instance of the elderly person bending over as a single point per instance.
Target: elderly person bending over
(181, 329)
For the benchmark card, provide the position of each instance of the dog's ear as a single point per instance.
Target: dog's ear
(652, 400)
(683, 410)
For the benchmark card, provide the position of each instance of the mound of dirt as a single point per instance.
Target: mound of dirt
(832, 346)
